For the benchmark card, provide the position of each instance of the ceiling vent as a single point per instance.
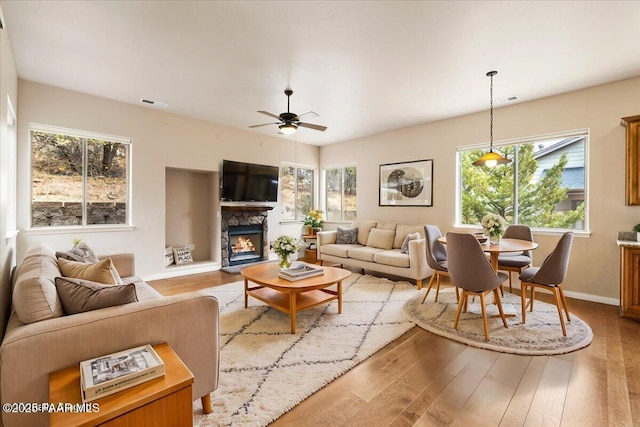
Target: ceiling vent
(507, 100)
(154, 103)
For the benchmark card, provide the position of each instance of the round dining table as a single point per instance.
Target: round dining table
(505, 245)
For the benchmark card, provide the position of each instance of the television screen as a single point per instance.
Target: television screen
(248, 182)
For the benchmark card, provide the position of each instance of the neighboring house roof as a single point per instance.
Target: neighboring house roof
(572, 178)
(558, 145)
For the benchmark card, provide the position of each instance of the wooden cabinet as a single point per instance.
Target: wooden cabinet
(630, 281)
(632, 184)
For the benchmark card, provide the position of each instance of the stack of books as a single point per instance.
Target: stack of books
(300, 271)
(109, 374)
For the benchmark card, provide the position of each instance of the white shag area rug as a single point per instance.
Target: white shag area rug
(541, 335)
(265, 370)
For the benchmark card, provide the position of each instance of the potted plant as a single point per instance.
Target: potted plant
(314, 221)
(636, 228)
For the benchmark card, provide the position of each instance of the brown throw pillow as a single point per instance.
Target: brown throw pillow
(101, 272)
(78, 296)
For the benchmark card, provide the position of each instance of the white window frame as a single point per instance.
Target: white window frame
(84, 227)
(11, 229)
(297, 166)
(529, 140)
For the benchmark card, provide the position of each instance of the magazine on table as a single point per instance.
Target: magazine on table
(108, 374)
(301, 271)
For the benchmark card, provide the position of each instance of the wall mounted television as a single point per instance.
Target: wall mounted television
(249, 182)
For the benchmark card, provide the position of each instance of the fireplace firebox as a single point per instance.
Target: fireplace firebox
(245, 244)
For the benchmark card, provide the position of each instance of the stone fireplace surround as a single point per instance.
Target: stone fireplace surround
(233, 215)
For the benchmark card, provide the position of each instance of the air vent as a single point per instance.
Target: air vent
(154, 103)
(507, 100)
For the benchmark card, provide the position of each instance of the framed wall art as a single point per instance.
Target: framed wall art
(406, 183)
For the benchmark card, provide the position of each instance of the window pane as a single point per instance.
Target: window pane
(334, 194)
(106, 182)
(350, 193)
(551, 183)
(287, 192)
(56, 173)
(304, 192)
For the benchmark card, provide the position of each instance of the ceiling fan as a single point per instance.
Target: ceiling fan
(289, 122)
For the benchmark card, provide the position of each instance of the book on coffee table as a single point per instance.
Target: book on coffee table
(300, 271)
(114, 372)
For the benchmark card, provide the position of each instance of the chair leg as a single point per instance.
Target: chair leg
(437, 286)
(510, 284)
(433, 276)
(533, 297)
(556, 294)
(457, 294)
(523, 299)
(564, 303)
(419, 283)
(496, 297)
(484, 317)
(460, 304)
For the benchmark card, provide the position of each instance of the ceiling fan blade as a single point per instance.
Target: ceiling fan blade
(264, 124)
(270, 114)
(308, 115)
(312, 126)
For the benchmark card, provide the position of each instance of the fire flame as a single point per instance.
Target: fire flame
(243, 245)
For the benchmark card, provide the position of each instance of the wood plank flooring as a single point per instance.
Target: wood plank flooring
(422, 379)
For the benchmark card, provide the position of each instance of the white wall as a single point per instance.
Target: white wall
(594, 266)
(8, 88)
(160, 140)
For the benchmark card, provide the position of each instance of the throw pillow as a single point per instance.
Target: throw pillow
(80, 253)
(168, 256)
(382, 239)
(79, 295)
(101, 272)
(405, 244)
(182, 255)
(347, 236)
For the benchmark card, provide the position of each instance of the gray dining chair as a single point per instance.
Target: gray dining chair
(436, 259)
(470, 271)
(549, 276)
(516, 261)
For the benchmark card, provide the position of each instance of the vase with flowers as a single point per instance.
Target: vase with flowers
(314, 221)
(494, 226)
(284, 247)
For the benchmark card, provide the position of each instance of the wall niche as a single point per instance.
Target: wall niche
(191, 214)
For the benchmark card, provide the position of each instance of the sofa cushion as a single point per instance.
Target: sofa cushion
(79, 295)
(101, 272)
(364, 253)
(382, 239)
(387, 226)
(364, 227)
(334, 249)
(393, 257)
(402, 230)
(346, 236)
(34, 295)
(405, 244)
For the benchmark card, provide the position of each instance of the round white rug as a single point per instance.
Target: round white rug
(541, 335)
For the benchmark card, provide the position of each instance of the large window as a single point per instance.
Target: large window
(296, 191)
(78, 178)
(340, 193)
(550, 189)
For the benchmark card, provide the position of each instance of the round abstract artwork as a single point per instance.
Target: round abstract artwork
(407, 181)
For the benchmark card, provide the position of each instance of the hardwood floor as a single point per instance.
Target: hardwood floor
(422, 379)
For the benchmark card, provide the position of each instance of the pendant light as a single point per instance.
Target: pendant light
(491, 158)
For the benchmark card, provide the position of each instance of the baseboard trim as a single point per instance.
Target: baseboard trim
(183, 270)
(586, 297)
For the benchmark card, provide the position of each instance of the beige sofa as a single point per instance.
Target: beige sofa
(378, 248)
(52, 341)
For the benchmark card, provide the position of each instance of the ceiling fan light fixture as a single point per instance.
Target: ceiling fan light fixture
(491, 158)
(288, 129)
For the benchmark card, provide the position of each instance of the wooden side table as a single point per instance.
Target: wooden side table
(164, 401)
(310, 255)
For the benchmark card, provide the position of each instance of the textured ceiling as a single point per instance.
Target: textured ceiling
(364, 67)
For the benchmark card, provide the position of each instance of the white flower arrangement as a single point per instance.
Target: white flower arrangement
(493, 224)
(285, 245)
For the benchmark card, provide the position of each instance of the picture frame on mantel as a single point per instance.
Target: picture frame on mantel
(632, 182)
(406, 183)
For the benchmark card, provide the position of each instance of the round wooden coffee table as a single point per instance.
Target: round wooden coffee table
(291, 297)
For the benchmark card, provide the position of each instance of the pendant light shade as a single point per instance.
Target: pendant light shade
(491, 158)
